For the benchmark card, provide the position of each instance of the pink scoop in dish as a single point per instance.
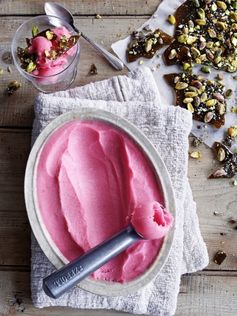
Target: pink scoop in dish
(100, 203)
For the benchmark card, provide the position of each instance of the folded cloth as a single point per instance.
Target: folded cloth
(136, 98)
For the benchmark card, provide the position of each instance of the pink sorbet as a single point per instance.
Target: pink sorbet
(48, 67)
(92, 181)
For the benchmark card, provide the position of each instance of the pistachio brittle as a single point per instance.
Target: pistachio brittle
(228, 159)
(204, 98)
(206, 33)
(145, 43)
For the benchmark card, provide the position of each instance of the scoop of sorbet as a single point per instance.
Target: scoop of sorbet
(151, 221)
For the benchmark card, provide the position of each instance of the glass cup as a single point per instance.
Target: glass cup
(63, 75)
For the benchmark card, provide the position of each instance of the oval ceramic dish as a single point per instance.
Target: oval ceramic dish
(38, 227)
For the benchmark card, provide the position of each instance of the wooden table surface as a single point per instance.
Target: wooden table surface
(210, 292)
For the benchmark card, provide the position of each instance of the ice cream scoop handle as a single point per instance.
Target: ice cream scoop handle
(65, 278)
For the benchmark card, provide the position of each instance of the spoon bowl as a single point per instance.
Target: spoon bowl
(55, 9)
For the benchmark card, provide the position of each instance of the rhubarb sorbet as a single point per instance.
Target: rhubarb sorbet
(92, 181)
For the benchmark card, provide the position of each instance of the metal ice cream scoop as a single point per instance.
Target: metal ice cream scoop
(57, 10)
(65, 278)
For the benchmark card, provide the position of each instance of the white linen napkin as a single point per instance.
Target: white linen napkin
(136, 98)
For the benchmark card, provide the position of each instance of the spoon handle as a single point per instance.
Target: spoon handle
(114, 61)
(62, 280)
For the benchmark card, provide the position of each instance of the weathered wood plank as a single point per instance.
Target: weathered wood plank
(200, 294)
(210, 195)
(84, 7)
(17, 110)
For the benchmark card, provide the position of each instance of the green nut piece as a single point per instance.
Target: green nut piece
(196, 3)
(190, 94)
(195, 52)
(203, 97)
(182, 39)
(206, 69)
(213, 7)
(31, 66)
(228, 93)
(201, 13)
(212, 33)
(200, 22)
(221, 154)
(221, 25)
(172, 19)
(222, 5)
(190, 107)
(191, 39)
(148, 45)
(211, 102)
(187, 100)
(186, 66)
(181, 85)
(233, 15)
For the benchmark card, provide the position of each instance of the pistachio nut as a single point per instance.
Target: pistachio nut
(208, 117)
(148, 45)
(172, 19)
(181, 85)
(211, 102)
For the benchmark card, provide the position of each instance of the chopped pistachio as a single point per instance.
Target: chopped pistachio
(186, 66)
(190, 94)
(206, 69)
(195, 154)
(213, 7)
(148, 45)
(12, 87)
(218, 96)
(187, 100)
(208, 117)
(98, 16)
(31, 66)
(212, 34)
(182, 38)
(221, 154)
(49, 35)
(233, 16)
(228, 93)
(195, 52)
(222, 5)
(190, 107)
(211, 102)
(171, 19)
(191, 39)
(141, 62)
(201, 13)
(200, 22)
(203, 97)
(233, 109)
(221, 25)
(173, 54)
(35, 31)
(196, 3)
(232, 131)
(234, 183)
(221, 108)
(181, 85)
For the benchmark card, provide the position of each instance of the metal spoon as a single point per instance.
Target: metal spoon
(55, 9)
(65, 278)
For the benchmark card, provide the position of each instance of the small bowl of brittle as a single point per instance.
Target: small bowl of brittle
(46, 51)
